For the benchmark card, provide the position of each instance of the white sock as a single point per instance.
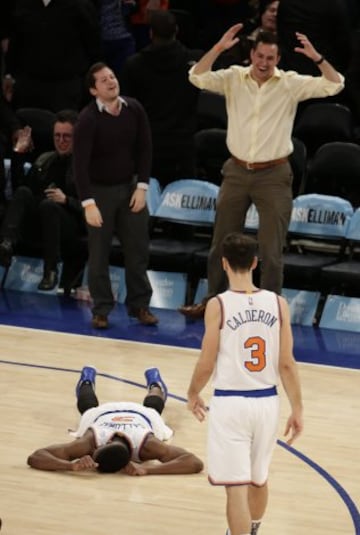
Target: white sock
(228, 532)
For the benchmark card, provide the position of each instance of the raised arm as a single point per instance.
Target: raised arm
(289, 376)
(206, 363)
(172, 460)
(308, 50)
(227, 41)
(74, 456)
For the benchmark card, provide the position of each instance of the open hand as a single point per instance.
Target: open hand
(307, 48)
(294, 427)
(197, 406)
(228, 40)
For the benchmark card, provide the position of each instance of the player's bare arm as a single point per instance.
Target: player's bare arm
(290, 376)
(206, 363)
(172, 459)
(73, 456)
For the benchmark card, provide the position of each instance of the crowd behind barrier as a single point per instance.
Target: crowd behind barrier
(326, 157)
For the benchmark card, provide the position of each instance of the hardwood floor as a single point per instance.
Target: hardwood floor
(315, 488)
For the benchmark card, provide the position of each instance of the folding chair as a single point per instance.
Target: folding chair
(316, 238)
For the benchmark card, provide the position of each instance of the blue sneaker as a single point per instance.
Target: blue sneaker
(152, 375)
(88, 374)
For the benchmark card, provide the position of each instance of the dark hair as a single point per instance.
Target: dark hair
(66, 116)
(239, 250)
(163, 24)
(267, 38)
(263, 5)
(90, 75)
(114, 456)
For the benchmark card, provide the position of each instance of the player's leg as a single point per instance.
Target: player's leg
(85, 390)
(237, 510)
(258, 498)
(264, 440)
(157, 390)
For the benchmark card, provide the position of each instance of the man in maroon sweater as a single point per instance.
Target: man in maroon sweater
(112, 157)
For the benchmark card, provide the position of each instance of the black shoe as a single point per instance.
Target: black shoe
(49, 281)
(6, 252)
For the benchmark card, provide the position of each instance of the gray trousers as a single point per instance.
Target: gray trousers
(271, 192)
(132, 230)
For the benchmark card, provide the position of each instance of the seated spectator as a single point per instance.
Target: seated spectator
(47, 205)
(266, 21)
(157, 76)
(267, 18)
(52, 43)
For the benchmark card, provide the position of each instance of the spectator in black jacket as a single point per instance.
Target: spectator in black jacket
(46, 205)
(112, 157)
(51, 46)
(157, 76)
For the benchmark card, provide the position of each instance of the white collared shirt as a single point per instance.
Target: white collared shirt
(102, 106)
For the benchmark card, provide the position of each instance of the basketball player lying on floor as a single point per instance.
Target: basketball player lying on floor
(119, 436)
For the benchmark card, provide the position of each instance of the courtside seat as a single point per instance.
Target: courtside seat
(316, 238)
(323, 122)
(343, 278)
(183, 224)
(335, 170)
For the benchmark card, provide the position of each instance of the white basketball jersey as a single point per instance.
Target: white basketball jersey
(248, 354)
(130, 419)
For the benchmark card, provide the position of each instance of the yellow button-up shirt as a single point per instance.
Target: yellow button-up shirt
(260, 118)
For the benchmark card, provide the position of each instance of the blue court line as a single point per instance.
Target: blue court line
(351, 506)
(349, 503)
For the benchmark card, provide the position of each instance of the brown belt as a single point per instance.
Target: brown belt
(253, 166)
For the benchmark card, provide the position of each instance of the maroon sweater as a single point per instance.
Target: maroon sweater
(110, 150)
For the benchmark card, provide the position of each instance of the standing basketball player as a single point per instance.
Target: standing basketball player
(248, 345)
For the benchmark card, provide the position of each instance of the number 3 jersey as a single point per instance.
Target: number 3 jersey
(248, 355)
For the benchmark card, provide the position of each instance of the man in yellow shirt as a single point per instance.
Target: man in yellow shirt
(261, 103)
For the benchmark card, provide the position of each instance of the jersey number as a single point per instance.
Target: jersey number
(257, 361)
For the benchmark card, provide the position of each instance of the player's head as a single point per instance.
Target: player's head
(113, 456)
(240, 251)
